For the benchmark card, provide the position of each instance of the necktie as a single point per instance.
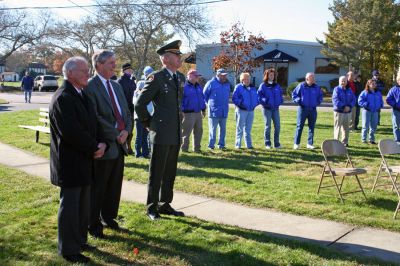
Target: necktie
(118, 117)
(175, 80)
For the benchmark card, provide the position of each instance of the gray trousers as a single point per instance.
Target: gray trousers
(192, 122)
(73, 218)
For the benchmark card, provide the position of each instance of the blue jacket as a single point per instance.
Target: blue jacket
(193, 98)
(216, 94)
(342, 98)
(393, 98)
(371, 101)
(27, 83)
(245, 98)
(270, 95)
(307, 96)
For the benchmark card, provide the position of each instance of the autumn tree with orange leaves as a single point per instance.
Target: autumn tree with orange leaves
(238, 48)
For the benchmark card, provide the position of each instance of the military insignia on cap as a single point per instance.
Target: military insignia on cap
(172, 47)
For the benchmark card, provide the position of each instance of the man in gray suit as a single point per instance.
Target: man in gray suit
(164, 89)
(115, 120)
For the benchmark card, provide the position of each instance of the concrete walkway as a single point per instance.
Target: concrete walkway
(360, 241)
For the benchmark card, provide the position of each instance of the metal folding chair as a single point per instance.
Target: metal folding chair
(335, 150)
(388, 147)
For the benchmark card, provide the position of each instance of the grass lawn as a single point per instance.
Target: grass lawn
(28, 236)
(285, 180)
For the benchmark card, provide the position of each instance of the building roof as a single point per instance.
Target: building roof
(36, 65)
(277, 56)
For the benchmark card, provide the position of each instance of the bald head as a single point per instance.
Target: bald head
(310, 78)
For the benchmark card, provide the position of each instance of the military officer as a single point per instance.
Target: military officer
(164, 89)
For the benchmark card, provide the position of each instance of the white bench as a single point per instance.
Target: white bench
(43, 118)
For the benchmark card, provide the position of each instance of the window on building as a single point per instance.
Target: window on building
(325, 66)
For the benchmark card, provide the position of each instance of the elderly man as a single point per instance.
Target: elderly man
(216, 94)
(164, 89)
(194, 109)
(115, 120)
(308, 96)
(73, 145)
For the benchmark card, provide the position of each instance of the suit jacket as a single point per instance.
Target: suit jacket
(165, 123)
(129, 86)
(73, 133)
(105, 114)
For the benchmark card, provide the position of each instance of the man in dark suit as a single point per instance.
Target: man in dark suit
(127, 82)
(115, 120)
(164, 89)
(73, 145)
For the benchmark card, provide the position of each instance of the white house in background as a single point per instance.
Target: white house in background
(9, 76)
(37, 68)
(292, 60)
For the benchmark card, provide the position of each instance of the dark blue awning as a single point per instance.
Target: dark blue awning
(278, 56)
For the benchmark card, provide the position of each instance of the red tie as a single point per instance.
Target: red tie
(118, 117)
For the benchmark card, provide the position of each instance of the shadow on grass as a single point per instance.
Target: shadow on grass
(386, 204)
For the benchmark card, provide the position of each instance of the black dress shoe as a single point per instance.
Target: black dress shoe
(87, 247)
(78, 258)
(97, 234)
(153, 216)
(168, 210)
(372, 142)
(110, 224)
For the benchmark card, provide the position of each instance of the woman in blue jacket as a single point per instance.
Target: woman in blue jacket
(245, 98)
(371, 102)
(270, 97)
(393, 99)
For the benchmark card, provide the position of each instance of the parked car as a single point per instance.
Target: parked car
(45, 83)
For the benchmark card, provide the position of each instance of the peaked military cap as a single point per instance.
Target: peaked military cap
(126, 66)
(172, 47)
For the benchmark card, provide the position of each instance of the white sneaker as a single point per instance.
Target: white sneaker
(268, 147)
(279, 147)
(311, 147)
(296, 146)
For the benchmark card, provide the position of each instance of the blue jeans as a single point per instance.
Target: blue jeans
(28, 95)
(274, 116)
(141, 144)
(213, 122)
(304, 113)
(244, 122)
(369, 121)
(396, 124)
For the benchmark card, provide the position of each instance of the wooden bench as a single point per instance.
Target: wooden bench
(43, 118)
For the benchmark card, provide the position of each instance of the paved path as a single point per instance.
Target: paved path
(361, 241)
(16, 101)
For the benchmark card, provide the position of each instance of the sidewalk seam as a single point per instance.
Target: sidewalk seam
(198, 203)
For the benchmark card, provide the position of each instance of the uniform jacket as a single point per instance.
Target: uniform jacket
(307, 96)
(393, 97)
(27, 83)
(73, 133)
(216, 95)
(371, 101)
(342, 98)
(160, 89)
(270, 95)
(193, 98)
(245, 98)
(100, 99)
(128, 84)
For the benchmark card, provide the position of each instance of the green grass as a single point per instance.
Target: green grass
(28, 236)
(285, 180)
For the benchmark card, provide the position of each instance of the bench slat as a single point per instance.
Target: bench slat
(44, 120)
(44, 114)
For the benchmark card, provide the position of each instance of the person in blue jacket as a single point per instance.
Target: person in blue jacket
(371, 102)
(27, 86)
(270, 97)
(343, 100)
(380, 86)
(216, 94)
(393, 99)
(308, 96)
(245, 99)
(194, 110)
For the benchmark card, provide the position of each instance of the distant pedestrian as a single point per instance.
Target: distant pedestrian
(194, 110)
(216, 94)
(371, 102)
(343, 100)
(393, 99)
(27, 86)
(308, 95)
(270, 96)
(380, 86)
